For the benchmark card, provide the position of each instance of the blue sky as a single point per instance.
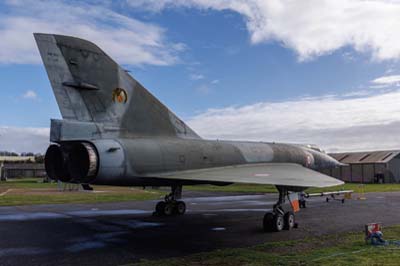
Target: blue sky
(232, 69)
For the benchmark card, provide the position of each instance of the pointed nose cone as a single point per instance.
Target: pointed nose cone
(338, 164)
(333, 162)
(324, 161)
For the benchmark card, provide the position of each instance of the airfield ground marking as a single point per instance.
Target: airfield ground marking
(5, 192)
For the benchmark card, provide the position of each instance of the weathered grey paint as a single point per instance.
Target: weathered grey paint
(129, 160)
(69, 99)
(75, 61)
(139, 137)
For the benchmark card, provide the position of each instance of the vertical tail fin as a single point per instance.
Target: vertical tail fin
(90, 87)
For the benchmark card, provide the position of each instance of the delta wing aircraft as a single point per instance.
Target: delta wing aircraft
(115, 132)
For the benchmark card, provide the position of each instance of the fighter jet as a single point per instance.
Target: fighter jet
(115, 132)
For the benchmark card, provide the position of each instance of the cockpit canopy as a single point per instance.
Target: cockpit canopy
(315, 148)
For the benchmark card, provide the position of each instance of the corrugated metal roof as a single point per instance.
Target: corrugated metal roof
(365, 157)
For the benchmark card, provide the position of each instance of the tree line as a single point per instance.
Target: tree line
(39, 158)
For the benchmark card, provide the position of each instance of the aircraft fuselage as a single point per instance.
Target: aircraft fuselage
(134, 161)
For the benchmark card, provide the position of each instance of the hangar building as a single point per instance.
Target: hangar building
(367, 167)
(20, 166)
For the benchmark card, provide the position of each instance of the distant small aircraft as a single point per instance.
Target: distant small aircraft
(114, 132)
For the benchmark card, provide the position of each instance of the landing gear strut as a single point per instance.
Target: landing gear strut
(172, 205)
(278, 219)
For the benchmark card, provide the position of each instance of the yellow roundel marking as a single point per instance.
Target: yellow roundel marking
(119, 95)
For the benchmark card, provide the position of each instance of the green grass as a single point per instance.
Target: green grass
(30, 191)
(253, 188)
(76, 197)
(125, 194)
(26, 183)
(339, 249)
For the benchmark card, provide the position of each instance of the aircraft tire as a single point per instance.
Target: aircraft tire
(278, 223)
(180, 208)
(267, 222)
(289, 220)
(169, 209)
(160, 207)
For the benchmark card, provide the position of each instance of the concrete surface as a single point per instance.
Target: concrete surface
(121, 233)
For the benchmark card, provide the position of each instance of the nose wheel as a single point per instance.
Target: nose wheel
(278, 222)
(278, 219)
(171, 204)
(289, 221)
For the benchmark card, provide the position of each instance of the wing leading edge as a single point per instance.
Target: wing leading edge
(283, 174)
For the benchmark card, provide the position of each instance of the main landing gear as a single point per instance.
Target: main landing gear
(172, 205)
(278, 219)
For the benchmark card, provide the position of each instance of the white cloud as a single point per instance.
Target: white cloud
(203, 89)
(215, 81)
(29, 94)
(18, 139)
(128, 40)
(333, 122)
(387, 80)
(196, 76)
(310, 27)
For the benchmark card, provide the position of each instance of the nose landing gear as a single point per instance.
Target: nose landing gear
(279, 219)
(171, 204)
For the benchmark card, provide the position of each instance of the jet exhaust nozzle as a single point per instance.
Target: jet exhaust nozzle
(55, 163)
(75, 162)
(82, 162)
